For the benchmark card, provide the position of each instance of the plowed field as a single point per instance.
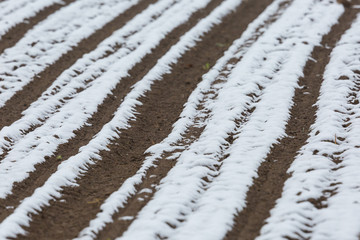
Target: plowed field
(179, 119)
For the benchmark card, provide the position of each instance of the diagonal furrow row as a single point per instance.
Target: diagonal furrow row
(85, 73)
(42, 81)
(190, 118)
(179, 119)
(125, 113)
(124, 145)
(266, 189)
(44, 140)
(18, 17)
(322, 193)
(14, 12)
(105, 114)
(52, 38)
(126, 158)
(89, 71)
(185, 204)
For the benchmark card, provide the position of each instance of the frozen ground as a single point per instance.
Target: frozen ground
(179, 119)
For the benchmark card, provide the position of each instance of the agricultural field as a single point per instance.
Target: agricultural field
(180, 119)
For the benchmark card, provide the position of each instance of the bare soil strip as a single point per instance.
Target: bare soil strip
(22, 99)
(17, 32)
(84, 135)
(105, 113)
(160, 109)
(32, 91)
(154, 175)
(267, 188)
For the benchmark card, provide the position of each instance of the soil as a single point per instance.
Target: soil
(22, 99)
(159, 110)
(267, 188)
(164, 104)
(16, 33)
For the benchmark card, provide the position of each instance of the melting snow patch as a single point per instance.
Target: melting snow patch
(145, 190)
(126, 218)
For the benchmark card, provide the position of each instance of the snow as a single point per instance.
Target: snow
(14, 12)
(84, 74)
(71, 168)
(119, 198)
(246, 96)
(314, 173)
(58, 128)
(52, 38)
(187, 206)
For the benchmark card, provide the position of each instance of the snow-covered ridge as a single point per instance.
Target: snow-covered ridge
(239, 110)
(189, 117)
(71, 168)
(327, 167)
(186, 201)
(52, 38)
(86, 72)
(59, 128)
(14, 12)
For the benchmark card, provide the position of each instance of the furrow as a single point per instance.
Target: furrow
(50, 102)
(87, 73)
(186, 131)
(185, 204)
(53, 46)
(169, 101)
(125, 113)
(43, 141)
(17, 17)
(273, 172)
(321, 195)
(129, 121)
(13, 13)
(37, 146)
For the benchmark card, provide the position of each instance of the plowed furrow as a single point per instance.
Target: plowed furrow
(206, 92)
(66, 105)
(19, 96)
(17, 22)
(325, 172)
(272, 173)
(94, 125)
(196, 194)
(158, 105)
(185, 27)
(179, 119)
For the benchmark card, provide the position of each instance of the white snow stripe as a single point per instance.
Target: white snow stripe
(314, 173)
(51, 38)
(14, 12)
(187, 119)
(84, 73)
(60, 127)
(190, 204)
(70, 169)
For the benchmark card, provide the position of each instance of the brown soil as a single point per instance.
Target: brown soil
(346, 3)
(159, 110)
(22, 99)
(163, 165)
(16, 33)
(267, 188)
(13, 108)
(164, 104)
